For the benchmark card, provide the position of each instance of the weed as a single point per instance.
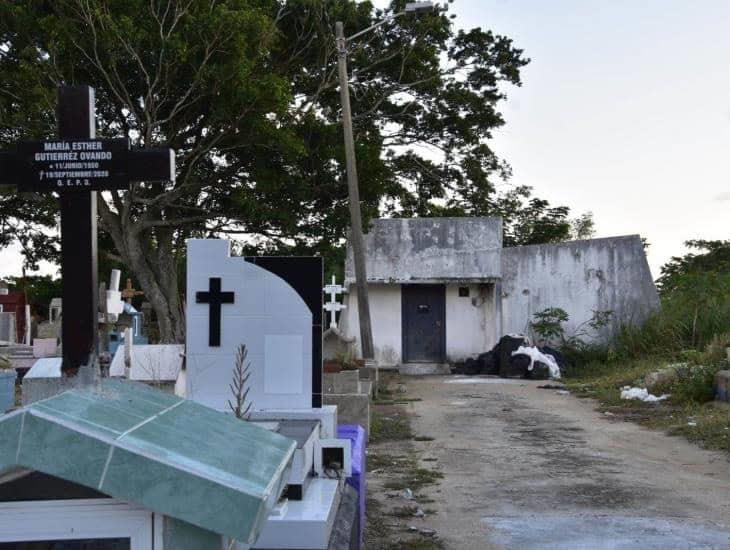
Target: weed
(404, 511)
(382, 460)
(431, 544)
(393, 427)
(414, 479)
(686, 412)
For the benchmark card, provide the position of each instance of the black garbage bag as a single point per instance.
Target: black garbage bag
(489, 361)
(471, 366)
(540, 371)
(512, 366)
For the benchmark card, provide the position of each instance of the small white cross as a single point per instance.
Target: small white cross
(333, 306)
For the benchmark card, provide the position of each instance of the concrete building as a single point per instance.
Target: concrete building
(444, 289)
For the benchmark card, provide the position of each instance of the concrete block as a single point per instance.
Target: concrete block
(352, 408)
(347, 381)
(367, 373)
(422, 369)
(366, 387)
(661, 377)
(722, 385)
(45, 347)
(7, 389)
(48, 330)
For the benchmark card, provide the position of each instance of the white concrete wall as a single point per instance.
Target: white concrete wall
(609, 274)
(472, 324)
(385, 318)
(430, 250)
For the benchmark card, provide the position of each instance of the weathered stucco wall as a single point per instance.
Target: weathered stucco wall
(579, 277)
(471, 323)
(421, 250)
(385, 318)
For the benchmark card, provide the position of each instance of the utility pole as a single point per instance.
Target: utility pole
(356, 236)
(357, 242)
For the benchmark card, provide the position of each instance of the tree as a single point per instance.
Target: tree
(246, 92)
(714, 258)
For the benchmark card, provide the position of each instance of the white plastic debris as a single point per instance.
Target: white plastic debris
(407, 494)
(642, 394)
(419, 513)
(691, 423)
(536, 355)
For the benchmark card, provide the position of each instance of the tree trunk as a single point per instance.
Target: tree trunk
(156, 270)
(150, 257)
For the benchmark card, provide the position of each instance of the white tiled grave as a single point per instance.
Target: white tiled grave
(306, 523)
(267, 315)
(150, 363)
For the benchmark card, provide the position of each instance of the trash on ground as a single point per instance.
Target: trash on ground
(514, 356)
(642, 394)
(538, 359)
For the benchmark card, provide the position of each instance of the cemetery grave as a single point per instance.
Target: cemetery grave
(179, 467)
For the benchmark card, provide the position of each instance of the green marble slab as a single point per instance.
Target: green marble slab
(173, 456)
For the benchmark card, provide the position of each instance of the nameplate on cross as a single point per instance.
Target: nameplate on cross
(76, 166)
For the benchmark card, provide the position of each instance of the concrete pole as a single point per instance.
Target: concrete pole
(356, 236)
(27, 325)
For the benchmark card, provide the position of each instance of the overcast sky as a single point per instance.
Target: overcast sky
(624, 111)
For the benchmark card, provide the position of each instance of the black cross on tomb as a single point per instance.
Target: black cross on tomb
(76, 166)
(215, 299)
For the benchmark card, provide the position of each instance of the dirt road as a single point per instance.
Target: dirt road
(532, 468)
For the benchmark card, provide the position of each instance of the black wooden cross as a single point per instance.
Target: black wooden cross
(215, 298)
(77, 165)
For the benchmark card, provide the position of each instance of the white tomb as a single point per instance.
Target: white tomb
(255, 308)
(232, 301)
(158, 363)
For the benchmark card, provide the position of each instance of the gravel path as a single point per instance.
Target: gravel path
(533, 468)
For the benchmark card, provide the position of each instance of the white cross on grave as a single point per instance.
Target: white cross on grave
(333, 306)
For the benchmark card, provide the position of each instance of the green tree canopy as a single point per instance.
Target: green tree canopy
(246, 92)
(713, 257)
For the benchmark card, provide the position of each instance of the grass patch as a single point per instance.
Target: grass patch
(389, 427)
(383, 460)
(430, 544)
(688, 412)
(414, 479)
(711, 428)
(377, 529)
